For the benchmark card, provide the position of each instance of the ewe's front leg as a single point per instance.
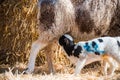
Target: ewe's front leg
(80, 64)
(36, 46)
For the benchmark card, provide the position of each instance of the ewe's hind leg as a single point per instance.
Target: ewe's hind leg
(50, 64)
(36, 46)
(49, 59)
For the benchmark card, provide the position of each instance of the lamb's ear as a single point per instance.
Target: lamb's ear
(66, 41)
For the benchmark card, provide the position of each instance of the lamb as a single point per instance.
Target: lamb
(99, 46)
(82, 19)
(80, 52)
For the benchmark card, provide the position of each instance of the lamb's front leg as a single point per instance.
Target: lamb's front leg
(80, 64)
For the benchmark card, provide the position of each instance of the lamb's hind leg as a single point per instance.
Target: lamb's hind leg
(109, 61)
(114, 64)
(36, 46)
(116, 56)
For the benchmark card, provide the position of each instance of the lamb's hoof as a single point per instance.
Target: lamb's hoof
(52, 73)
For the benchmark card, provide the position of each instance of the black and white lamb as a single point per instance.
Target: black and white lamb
(102, 46)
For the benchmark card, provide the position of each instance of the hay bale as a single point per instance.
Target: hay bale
(18, 30)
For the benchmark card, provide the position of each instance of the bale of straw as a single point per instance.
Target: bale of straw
(17, 30)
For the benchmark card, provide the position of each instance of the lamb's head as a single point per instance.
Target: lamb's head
(66, 41)
(72, 49)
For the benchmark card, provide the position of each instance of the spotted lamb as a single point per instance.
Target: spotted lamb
(105, 48)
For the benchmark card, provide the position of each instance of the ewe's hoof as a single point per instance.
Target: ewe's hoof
(27, 71)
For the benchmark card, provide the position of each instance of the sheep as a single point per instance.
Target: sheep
(78, 54)
(82, 19)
